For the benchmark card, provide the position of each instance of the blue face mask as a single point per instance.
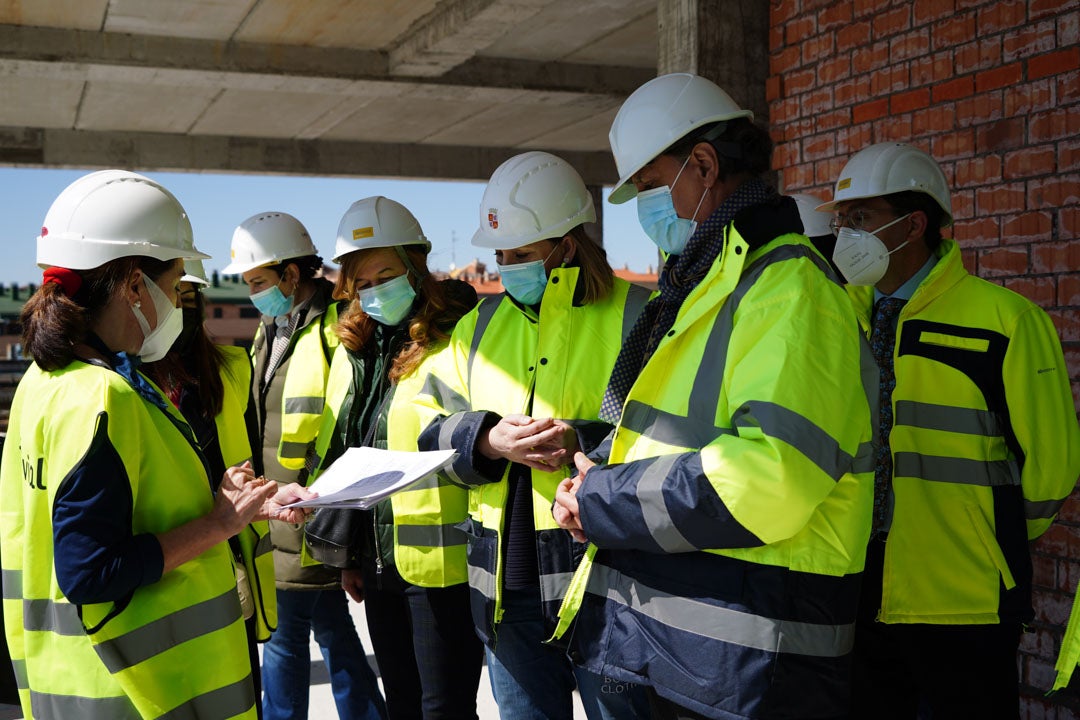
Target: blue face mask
(388, 302)
(272, 302)
(656, 213)
(526, 281)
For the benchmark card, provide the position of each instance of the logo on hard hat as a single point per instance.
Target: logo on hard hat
(843, 184)
(364, 232)
(493, 218)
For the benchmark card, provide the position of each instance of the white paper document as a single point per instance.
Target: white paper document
(363, 476)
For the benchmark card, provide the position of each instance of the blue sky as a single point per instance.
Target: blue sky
(217, 203)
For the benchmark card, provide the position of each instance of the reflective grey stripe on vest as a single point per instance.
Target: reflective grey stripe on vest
(669, 428)
(289, 449)
(143, 643)
(309, 405)
(797, 431)
(11, 580)
(637, 298)
(430, 535)
(448, 399)
(431, 482)
(948, 418)
(698, 428)
(56, 617)
(446, 437)
(19, 668)
(1041, 509)
(654, 512)
(484, 313)
(44, 705)
(482, 581)
(553, 586)
(719, 623)
(229, 701)
(955, 470)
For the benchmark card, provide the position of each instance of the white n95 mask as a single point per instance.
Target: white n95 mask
(861, 255)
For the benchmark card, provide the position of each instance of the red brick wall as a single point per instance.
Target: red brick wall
(991, 89)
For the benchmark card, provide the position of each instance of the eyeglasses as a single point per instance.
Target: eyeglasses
(857, 219)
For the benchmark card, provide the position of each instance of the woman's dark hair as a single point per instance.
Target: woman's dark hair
(53, 324)
(910, 201)
(198, 364)
(742, 148)
(433, 322)
(308, 265)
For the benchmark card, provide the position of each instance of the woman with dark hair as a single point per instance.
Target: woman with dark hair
(120, 595)
(515, 394)
(291, 353)
(211, 386)
(404, 558)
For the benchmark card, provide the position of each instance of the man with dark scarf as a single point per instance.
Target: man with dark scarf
(728, 521)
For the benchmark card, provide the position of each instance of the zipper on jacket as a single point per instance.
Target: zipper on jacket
(378, 550)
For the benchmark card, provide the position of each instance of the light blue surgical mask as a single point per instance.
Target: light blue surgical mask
(272, 302)
(388, 302)
(526, 281)
(656, 213)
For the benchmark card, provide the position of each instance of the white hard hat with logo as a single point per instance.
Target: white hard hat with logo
(194, 272)
(887, 168)
(815, 224)
(111, 214)
(265, 239)
(377, 222)
(530, 197)
(657, 115)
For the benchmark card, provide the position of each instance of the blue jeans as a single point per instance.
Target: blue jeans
(286, 666)
(534, 681)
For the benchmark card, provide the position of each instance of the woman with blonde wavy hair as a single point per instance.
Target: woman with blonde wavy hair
(404, 557)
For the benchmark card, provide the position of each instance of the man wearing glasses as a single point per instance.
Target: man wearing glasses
(979, 448)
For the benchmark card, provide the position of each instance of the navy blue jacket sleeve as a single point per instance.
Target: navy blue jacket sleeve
(459, 432)
(658, 504)
(96, 555)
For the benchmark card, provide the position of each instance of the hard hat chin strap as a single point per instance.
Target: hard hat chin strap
(400, 250)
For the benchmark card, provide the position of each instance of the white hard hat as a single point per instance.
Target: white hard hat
(657, 115)
(377, 222)
(194, 272)
(815, 224)
(267, 238)
(887, 168)
(111, 214)
(532, 196)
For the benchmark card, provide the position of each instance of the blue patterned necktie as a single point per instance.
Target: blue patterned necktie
(882, 343)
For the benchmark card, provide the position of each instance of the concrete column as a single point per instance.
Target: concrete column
(597, 230)
(726, 41)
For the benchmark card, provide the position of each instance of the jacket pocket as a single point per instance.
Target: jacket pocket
(990, 544)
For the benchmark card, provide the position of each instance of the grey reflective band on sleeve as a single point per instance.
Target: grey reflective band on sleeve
(784, 424)
(654, 511)
(1041, 509)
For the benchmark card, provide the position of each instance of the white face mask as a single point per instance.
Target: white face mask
(861, 256)
(156, 342)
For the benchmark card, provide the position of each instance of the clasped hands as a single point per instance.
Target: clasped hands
(542, 444)
(565, 509)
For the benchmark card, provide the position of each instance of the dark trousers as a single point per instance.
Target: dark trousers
(930, 671)
(428, 654)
